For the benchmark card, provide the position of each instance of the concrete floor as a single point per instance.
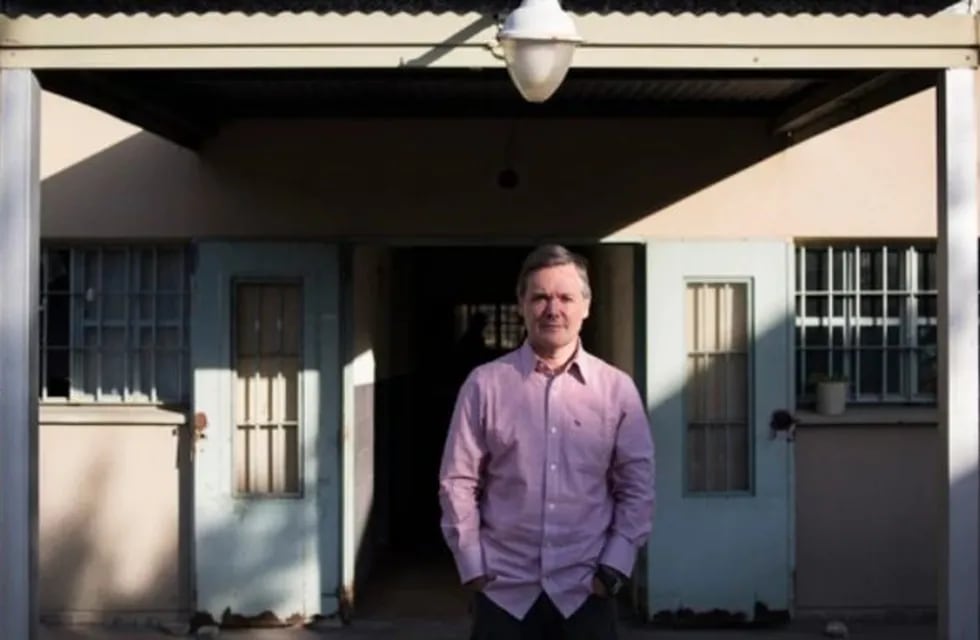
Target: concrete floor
(420, 599)
(431, 630)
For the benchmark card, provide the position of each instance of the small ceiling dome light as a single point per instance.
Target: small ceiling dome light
(538, 40)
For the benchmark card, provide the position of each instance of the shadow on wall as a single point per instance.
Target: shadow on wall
(109, 541)
(623, 170)
(78, 553)
(108, 554)
(577, 179)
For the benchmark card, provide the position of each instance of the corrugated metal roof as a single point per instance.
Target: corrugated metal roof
(697, 7)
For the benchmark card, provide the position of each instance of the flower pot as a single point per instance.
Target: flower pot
(831, 398)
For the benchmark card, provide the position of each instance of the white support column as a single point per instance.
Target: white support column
(958, 375)
(19, 263)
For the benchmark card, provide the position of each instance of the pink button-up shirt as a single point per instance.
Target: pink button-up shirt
(545, 476)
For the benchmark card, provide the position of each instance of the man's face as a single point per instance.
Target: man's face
(554, 307)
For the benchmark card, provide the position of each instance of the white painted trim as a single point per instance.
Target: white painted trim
(20, 252)
(452, 29)
(959, 381)
(469, 40)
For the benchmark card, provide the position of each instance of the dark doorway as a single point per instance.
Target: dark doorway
(450, 309)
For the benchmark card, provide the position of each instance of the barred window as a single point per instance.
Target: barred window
(868, 313)
(503, 328)
(268, 363)
(716, 390)
(114, 324)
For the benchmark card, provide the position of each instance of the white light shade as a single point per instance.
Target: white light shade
(537, 68)
(538, 41)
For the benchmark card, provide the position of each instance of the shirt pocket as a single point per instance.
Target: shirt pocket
(590, 437)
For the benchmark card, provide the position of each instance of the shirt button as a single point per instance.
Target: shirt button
(551, 505)
(554, 430)
(554, 466)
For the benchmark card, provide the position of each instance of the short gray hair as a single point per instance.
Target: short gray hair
(553, 255)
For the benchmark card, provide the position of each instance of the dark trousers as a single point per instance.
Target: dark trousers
(594, 620)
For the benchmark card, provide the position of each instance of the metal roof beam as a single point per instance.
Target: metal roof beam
(846, 99)
(469, 40)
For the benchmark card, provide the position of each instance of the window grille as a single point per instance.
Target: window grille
(868, 313)
(114, 324)
(503, 329)
(716, 393)
(268, 362)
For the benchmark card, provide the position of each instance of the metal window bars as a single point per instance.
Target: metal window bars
(114, 324)
(867, 312)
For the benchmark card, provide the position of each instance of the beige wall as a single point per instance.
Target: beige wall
(867, 509)
(627, 179)
(585, 179)
(109, 521)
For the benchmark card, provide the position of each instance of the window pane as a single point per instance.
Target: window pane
(816, 270)
(928, 372)
(817, 363)
(716, 389)
(816, 306)
(927, 335)
(927, 270)
(841, 264)
(113, 374)
(57, 274)
(56, 320)
(871, 306)
(87, 303)
(894, 307)
(894, 335)
(267, 371)
(90, 372)
(113, 308)
(114, 267)
(844, 364)
(871, 270)
(842, 306)
(871, 336)
(170, 270)
(865, 320)
(817, 336)
(106, 334)
(927, 307)
(894, 369)
(838, 333)
(896, 270)
(148, 271)
(870, 380)
(169, 308)
(90, 271)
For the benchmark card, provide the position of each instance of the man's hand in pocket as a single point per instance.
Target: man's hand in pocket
(478, 584)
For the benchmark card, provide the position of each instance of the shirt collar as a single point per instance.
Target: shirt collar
(577, 366)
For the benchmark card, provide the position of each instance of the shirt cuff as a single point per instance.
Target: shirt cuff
(469, 563)
(619, 554)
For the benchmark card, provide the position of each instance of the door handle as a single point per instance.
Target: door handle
(782, 421)
(200, 426)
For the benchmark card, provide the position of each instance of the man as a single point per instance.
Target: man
(546, 482)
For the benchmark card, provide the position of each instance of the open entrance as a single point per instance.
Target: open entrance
(423, 317)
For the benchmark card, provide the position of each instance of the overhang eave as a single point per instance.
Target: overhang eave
(469, 41)
(886, 57)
